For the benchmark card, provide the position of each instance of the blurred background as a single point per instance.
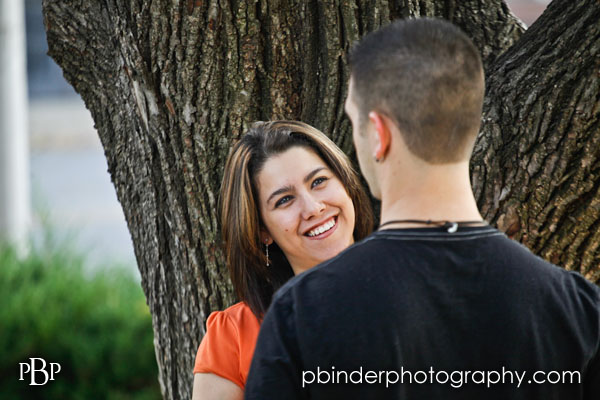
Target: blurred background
(69, 286)
(70, 187)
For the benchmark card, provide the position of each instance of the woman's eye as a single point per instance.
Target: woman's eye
(318, 181)
(282, 201)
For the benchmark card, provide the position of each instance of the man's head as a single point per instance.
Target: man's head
(425, 78)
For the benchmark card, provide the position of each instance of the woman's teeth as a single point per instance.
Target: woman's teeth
(323, 228)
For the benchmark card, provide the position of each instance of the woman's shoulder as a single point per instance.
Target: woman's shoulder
(227, 348)
(238, 316)
(238, 310)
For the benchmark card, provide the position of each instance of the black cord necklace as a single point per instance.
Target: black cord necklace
(450, 226)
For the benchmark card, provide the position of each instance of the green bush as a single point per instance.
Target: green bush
(95, 325)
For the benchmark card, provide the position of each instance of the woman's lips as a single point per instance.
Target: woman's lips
(326, 233)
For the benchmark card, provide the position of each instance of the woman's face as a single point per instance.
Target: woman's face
(304, 207)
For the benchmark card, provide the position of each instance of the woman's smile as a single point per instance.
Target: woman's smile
(321, 231)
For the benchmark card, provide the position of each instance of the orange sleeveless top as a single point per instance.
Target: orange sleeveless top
(227, 348)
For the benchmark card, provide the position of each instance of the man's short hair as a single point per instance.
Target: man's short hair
(427, 76)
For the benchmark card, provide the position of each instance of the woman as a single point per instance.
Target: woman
(289, 201)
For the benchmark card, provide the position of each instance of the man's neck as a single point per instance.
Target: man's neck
(436, 193)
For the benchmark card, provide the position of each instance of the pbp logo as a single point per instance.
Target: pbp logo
(30, 368)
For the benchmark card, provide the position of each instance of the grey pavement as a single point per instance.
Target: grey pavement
(71, 188)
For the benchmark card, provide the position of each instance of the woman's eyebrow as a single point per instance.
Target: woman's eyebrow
(288, 188)
(279, 191)
(312, 173)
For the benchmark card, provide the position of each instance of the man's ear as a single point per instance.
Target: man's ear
(383, 136)
(265, 237)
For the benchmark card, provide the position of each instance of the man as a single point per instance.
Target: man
(435, 304)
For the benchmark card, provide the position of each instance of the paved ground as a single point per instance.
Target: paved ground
(71, 187)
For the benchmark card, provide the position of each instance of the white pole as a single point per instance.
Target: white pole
(15, 206)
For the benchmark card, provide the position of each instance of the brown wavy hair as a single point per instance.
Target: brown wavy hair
(241, 222)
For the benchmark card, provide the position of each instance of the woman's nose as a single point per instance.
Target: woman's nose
(312, 206)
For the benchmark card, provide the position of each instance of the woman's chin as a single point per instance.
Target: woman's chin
(333, 251)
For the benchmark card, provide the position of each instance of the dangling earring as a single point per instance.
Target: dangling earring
(267, 251)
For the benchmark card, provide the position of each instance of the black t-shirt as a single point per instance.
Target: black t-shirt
(427, 314)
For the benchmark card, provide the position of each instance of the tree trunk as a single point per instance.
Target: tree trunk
(536, 167)
(170, 86)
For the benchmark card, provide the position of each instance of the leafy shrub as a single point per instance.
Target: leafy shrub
(95, 325)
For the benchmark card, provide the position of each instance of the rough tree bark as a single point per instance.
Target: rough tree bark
(536, 168)
(170, 85)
